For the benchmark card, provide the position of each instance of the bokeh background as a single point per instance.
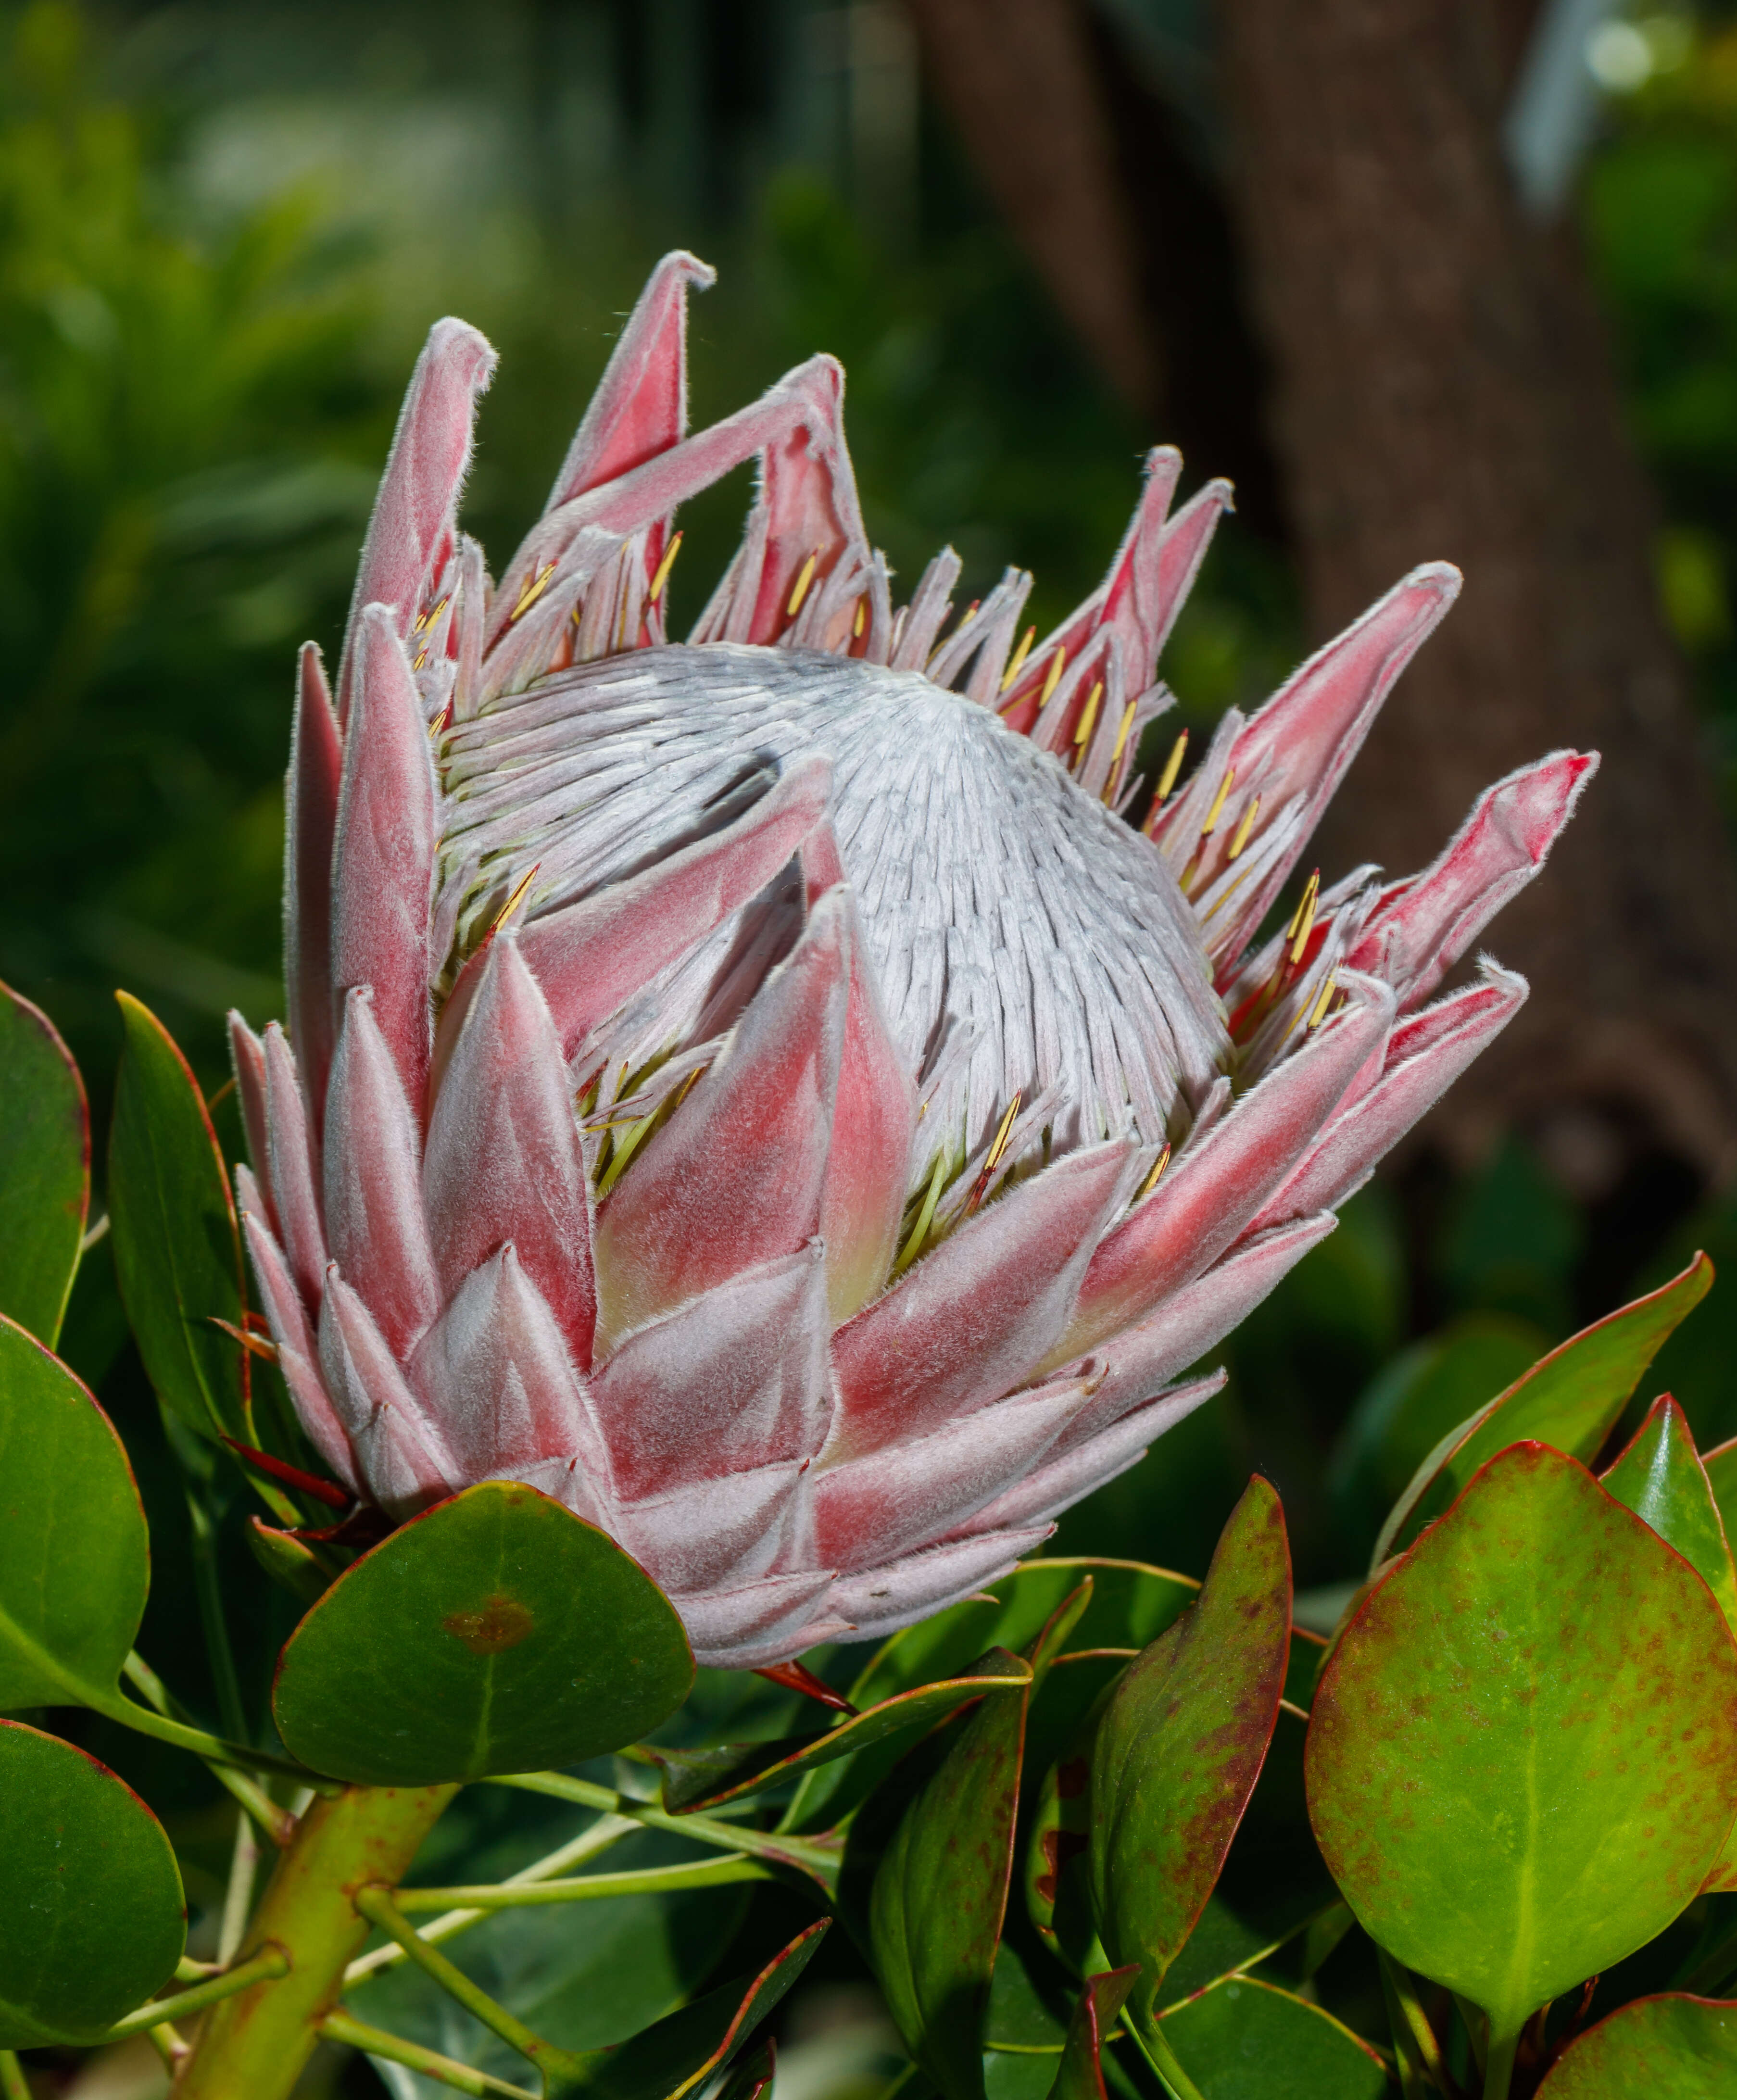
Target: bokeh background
(1428, 278)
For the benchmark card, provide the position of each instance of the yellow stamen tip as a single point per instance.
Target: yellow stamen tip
(1152, 1179)
(521, 890)
(1053, 678)
(860, 621)
(1172, 767)
(1219, 800)
(1091, 715)
(1245, 827)
(1319, 1012)
(1020, 655)
(660, 575)
(804, 577)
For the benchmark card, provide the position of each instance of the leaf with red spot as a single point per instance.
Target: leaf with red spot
(1180, 1745)
(1670, 2048)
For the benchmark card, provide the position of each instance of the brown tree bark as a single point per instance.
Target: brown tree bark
(1444, 389)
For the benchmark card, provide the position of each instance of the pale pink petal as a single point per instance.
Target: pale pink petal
(881, 1600)
(295, 1168)
(297, 1357)
(503, 1160)
(566, 1480)
(1215, 1190)
(640, 407)
(400, 1452)
(1301, 742)
(247, 1059)
(758, 1621)
(1422, 927)
(1064, 1479)
(873, 1123)
(877, 1507)
(494, 1371)
(590, 956)
(373, 1183)
(971, 1318)
(310, 798)
(735, 1380)
(411, 534)
(712, 1534)
(1136, 1364)
(383, 867)
(1426, 1054)
(733, 1178)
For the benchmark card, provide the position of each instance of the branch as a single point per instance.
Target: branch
(644, 1881)
(278, 1825)
(270, 1963)
(340, 2026)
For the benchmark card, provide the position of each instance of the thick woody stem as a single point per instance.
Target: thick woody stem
(256, 2042)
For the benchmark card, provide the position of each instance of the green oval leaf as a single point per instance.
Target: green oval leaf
(939, 1891)
(1570, 1400)
(45, 1168)
(1666, 2048)
(1522, 1753)
(92, 1918)
(1180, 1744)
(1080, 2075)
(679, 2053)
(731, 1771)
(1661, 1477)
(496, 1633)
(74, 1558)
(1244, 2037)
(178, 1248)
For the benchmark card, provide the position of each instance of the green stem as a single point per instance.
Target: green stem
(266, 1967)
(1417, 2032)
(256, 2042)
(606, 1830)
(1163, 2058)
(265, 1811)
(376, 1906)
(341, 2026)
(821, 1861)
(116, 1706)
(219, 1651)
(1498, 2069)
(12, 2085)
(238, 1896)
(642, 1880)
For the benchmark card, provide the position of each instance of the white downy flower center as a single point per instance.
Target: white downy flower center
(1024, 939)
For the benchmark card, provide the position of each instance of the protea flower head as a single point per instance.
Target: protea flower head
(763, 1090)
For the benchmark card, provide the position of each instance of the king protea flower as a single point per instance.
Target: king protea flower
(762, 1090)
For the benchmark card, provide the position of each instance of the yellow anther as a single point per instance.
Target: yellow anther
(660, 574)
(521, 890)
(1320, 1012)
(421, 658)
(1122, 734)
(1083, 734)
(1219, 800)
(997, 1146)
(1053, 679)
(431, 615)
(1016, 662)
(968, 614)
(1303, 924)
(1152, 1179)
(533, 590)
(860, 621)
(804, 577)
(1172, 767)
(1245, 827)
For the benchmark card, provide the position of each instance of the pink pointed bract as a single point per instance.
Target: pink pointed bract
(761, 1090)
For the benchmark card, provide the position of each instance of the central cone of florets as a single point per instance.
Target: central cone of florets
(1025, 940)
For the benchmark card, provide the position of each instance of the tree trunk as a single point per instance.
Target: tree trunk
(1443, 389)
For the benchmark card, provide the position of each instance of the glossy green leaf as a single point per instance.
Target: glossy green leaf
(74, 1559)
(178, 1250)
(1721, 1466)
(751, 2074)
(1571, 1400)
(1080, 2075)
(1523, 1754)
(1661, 1479)
(681, 2051)
(940, 1892)
(495, 1633)
(1666, 2048)
(1245, 2040)
(92, 1918)
(704, 1778)
(1021, 2018)
(290, 1564)
(1180, 1745)
(45, 1168)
